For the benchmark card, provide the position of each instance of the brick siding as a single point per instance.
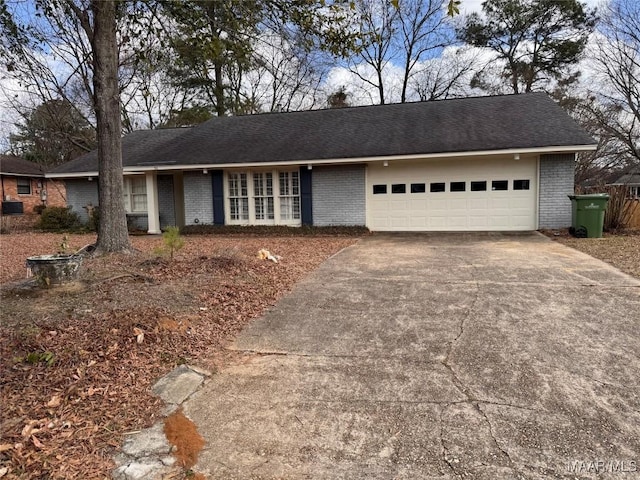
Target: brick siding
(556, 182)
(338, 194)
(198, 198)
(81, 192)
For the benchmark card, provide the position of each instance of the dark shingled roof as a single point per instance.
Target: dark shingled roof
(10, 165)
(444, 126)
(139, 148)
(628, 179)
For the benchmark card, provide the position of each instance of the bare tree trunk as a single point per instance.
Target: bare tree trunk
(112, 234)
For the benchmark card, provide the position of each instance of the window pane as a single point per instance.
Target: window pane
(295, 182)
(139, 203)
(24, 186)
(437, 187)
(270, 209)
(521, 184)
(398, 188)
(478, 186)
(285, 208)
(457, 186)
(500, 185)
(378, 189)
(418, 188)
(269, 184)
(284, 183)
(296, 208)
(243, 184)
(138, 185)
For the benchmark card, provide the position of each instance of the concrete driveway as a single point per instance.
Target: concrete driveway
(480, 356)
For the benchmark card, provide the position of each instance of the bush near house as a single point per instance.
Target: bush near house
(59, 219)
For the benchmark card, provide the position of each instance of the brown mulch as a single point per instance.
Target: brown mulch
(620, 249)
(77, 361)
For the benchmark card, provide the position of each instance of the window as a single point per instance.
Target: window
(238, 196)
(135, 194)
(263, 196)
(437, 187)
(500, 185)
(289, 196)
(266, 197)
(398, 188)
(418, 188)
(521, 184)
(138, 194)
(457, 186)
(379, 189)
(24, 186)
(478, 186)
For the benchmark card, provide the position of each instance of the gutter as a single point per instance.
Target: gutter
(140, 169)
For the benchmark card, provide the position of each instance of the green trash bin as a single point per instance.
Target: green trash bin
(587, 214)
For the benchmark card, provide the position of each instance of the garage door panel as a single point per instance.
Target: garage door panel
(445, 210)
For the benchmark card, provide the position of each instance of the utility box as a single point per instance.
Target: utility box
(587, 214)
(12, 207)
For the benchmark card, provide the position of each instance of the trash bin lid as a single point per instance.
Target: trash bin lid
(588, 196)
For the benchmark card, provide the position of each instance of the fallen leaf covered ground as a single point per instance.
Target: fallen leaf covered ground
(622, 250)
(77, 361)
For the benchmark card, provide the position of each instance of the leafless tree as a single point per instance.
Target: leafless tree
(284, 78)
(446, 76)
(618, 62)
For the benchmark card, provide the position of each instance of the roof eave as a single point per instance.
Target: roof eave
(336, 161)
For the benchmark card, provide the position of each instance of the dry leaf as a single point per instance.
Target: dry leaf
(37, 443)
(5, 446)
(4, 471)
(54, 402)
(139, 334)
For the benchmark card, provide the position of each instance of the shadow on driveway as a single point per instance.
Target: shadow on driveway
(481, 356)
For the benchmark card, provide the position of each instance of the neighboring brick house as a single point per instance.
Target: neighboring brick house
(24, 186)
(484, 163)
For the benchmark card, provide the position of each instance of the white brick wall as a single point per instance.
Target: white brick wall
(338, 195)
(198, 198)
(81, 193)
(556, 182)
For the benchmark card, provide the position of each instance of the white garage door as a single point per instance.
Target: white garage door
(453, 195)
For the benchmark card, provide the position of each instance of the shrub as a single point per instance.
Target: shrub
(39, 209)
(58, 219)
(172, 241)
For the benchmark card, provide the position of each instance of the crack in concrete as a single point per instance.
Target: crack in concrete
(495, 440)
(451, 345)
(444, 450)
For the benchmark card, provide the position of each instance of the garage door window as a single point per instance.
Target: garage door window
(379, 189)
(437, 187)
(478, 186)
(418, 188)
(521, 184)
(398, 188)
(457, 186)
(500, 185)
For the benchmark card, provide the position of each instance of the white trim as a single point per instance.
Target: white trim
(337, 161)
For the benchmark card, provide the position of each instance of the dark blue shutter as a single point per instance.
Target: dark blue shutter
(217, 180)
(306, 210)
